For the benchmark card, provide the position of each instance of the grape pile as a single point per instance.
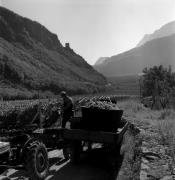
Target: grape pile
(101, 105)
(97, 102)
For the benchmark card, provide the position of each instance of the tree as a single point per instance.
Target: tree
(158, 82)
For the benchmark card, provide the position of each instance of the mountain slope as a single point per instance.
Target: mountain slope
(32, 57)
(166, 30)
(155, 52)
(100, 60)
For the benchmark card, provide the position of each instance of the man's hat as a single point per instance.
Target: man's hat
(63, 93)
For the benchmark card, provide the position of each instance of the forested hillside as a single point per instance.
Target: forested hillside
(32, 58)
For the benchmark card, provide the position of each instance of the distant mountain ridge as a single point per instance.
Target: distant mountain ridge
(100, 60)
(32, 57)
(151, 51)
(166, 30)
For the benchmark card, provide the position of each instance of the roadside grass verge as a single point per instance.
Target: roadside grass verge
(131, 151)
(167, 138)
(158, 126)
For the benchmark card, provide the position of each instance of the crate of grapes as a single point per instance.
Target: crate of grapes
(101, 116)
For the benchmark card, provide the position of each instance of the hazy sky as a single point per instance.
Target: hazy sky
(96, 28)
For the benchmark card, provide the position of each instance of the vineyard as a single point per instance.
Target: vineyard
(22, 113)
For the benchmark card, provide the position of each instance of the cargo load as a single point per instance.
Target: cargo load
(101, 116)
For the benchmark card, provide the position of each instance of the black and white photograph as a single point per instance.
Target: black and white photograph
(87, 89)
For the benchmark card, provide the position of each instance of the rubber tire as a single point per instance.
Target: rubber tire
(66, 153)
(34, 173)
(2, 170)
(75, 150)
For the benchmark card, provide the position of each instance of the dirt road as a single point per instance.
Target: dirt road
(95, 165)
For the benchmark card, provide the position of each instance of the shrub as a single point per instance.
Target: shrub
(159, 83)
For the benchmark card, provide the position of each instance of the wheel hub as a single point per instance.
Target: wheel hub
(40, 162)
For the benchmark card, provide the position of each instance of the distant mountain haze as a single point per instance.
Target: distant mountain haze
(100, 60)
(166, 30)
(32, 57)
(155, 49)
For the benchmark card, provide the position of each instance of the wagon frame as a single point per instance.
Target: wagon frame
(28, 147)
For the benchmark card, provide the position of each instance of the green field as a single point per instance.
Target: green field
(127, 85)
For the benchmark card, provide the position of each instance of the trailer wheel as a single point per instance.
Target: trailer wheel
(66, 153)
(2, 170)
(75, 150)
(37, 163)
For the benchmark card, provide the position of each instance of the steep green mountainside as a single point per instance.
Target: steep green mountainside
(31, 58)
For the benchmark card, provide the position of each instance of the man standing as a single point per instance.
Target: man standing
(67, 108)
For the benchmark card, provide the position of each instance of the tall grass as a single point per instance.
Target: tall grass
(134, 111)
(166, 127)
(132, 106)
(167, 138)
(167, 132)
(167, 114)
(160, 122)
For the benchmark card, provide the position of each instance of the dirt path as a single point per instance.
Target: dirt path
(95, 165)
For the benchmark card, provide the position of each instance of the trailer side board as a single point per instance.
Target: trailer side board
(94, 136)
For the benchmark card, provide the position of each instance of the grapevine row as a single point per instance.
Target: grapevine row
(21, 113)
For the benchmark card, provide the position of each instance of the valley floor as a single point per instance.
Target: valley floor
(147, 156)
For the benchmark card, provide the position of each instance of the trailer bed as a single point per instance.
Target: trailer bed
(81, 135)
(95, 136)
